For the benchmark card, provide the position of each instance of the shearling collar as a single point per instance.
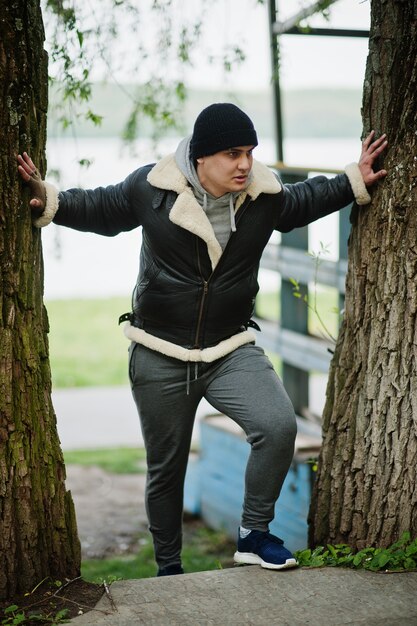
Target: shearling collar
(186, 211)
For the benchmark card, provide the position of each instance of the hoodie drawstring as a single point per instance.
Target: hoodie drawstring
(232, 214)
(189, 375)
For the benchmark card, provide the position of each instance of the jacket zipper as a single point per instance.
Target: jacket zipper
(203, 297)
(200, 313)
(206, 282)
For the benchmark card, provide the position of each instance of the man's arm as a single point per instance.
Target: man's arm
(305, 202)
(105, 210)
(30, 174)
(370, 152)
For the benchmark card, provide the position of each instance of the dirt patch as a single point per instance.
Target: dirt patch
(44, 604)
(111, 519)
(110, 510)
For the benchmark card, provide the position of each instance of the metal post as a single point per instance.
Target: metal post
(294, 315)
(344, 232)
(279, 133)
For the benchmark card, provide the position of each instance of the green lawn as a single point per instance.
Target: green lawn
(203, 549)
(114, 460)
(325, 300)
(87, 347)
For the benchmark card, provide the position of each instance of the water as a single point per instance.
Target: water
(89, 266)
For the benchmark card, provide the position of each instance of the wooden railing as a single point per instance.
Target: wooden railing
(300, 352)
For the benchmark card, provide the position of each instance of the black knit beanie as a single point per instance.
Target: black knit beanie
(221, 126)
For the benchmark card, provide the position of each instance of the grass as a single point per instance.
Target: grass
(87, 347)
(327, 304)
(204, 549)
(114, 460)
(268, 306)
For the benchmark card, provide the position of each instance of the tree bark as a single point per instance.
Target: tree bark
(38, 535)
(366, 489)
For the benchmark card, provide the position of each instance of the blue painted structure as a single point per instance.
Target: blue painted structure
(214, 484)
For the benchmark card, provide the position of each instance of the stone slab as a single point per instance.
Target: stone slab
(247, 596)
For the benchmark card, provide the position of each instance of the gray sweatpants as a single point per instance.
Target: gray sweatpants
(244, 386)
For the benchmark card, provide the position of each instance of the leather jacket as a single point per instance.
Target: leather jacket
(191, 297)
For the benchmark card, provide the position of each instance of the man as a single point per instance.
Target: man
(207, 213)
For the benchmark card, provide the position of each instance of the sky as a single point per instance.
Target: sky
(306, 61)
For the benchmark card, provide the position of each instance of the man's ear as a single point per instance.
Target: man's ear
(200, 160)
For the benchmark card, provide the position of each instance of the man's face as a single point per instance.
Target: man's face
(225, 171)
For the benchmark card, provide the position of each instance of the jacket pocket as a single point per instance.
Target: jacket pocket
(150, 274)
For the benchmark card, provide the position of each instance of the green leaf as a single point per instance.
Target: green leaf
(303, 557)
(181, 91)
(332, 550)
(85, 163)
(383, 559)
(411, 549)
(357, 559)
(343, 547)
(93, 117)
(409, 563)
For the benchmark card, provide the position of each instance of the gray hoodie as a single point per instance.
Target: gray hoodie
(220, 211)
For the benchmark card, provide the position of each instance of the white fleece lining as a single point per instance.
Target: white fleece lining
(263, 181)
(206, 355)
(167, 175)
(51, 206)
(359, 189)
(186, 211)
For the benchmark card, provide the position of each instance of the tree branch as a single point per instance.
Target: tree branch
(280, 28)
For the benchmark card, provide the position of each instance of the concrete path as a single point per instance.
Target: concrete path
(253, 596)
(101, 417)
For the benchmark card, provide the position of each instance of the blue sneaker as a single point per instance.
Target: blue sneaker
(264, 549)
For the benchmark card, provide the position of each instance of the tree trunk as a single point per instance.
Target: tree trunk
(38, 536)
(366, 488)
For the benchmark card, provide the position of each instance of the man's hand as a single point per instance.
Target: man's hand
(30, 174)
(370, 151)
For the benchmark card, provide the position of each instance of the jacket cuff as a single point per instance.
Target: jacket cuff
(356, 182)
(51, 206)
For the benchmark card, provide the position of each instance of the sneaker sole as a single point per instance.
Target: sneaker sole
(249, 558)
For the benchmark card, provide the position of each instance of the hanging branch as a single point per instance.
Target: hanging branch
(280, 28)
